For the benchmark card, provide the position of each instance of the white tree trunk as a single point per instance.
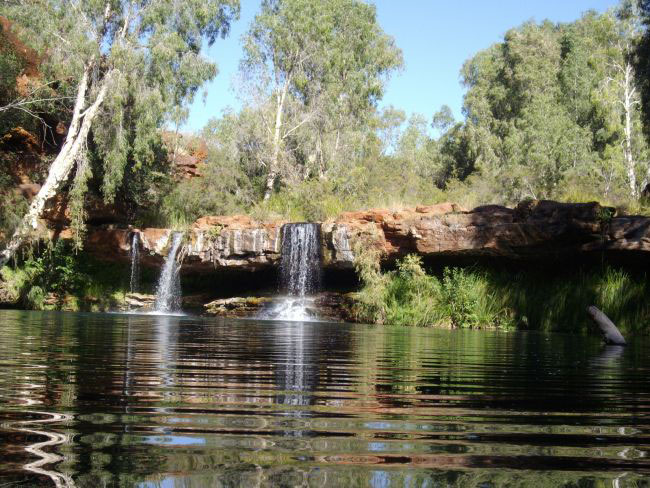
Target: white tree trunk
(628, 106)
(62, 165)
(277, 140)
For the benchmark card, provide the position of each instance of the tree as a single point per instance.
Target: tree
(443, 119)
(136, 64)
(555, 105)
(642, 63)
(320, 63)
(622, 78)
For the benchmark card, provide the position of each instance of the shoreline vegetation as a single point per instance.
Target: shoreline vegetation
(537, 297)
(89, 136)
(489, 297)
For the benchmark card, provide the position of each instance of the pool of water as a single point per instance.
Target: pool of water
(93, 400)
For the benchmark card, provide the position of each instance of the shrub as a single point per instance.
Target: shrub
(409, 296)
(59, 272)
(475, 297)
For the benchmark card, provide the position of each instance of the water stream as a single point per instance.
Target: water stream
(135, 263)
(168, 291)
(300, 265)
(300, 273)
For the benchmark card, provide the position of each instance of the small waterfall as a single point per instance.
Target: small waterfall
(135, 263)
(300, 273)
(168, 291)
(300, 265)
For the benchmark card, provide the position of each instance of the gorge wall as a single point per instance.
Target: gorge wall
(533, 230)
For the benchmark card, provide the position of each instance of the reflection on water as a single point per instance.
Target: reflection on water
(158, 401)
(45, 458)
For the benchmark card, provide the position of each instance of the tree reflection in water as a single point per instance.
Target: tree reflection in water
(152, 401)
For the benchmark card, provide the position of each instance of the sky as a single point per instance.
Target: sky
(436, 38)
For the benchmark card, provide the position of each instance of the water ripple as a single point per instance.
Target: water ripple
(133, 400)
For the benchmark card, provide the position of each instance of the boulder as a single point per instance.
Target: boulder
(327, 306)
(236, 306)
(139, 301)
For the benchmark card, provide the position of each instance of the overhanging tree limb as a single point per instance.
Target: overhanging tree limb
(154, 47)
(62, 165)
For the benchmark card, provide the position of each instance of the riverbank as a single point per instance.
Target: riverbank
(536, 266)
(479, 296)
(475, 296)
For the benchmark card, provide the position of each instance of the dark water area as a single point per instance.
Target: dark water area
(101, 400)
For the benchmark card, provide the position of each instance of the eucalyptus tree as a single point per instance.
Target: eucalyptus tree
(513, 98)
(621, 79)
(135, 65)
(315, 63)
(557, 103)
(642, 63)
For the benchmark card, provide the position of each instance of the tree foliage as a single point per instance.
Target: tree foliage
(550, 111)
(556, 105)
(313, 70)
(642, 62)
(135, 66)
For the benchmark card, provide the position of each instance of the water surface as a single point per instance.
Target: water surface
(92, 400)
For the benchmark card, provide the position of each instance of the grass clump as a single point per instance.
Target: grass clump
(410, 296)
(57, 278)
(556, 301)
(486, 297)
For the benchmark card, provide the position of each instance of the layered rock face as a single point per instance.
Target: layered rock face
(532, 230)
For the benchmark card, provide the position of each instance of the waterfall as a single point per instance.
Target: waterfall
(168, 291)
(300, 264)
(300, 273)
(135, 263)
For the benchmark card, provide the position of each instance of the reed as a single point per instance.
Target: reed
(479, 297)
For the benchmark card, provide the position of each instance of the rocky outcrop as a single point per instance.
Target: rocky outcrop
(186, 154)
(29, 57)
(236, 307)
(328, 306)
(236, 241)
(138, 301)
(532, 230)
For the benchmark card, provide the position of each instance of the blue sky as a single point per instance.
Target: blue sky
(436, 38)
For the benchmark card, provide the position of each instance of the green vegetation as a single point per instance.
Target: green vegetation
(409, 296)
(57, 279)
(133, 68)
(478, 297)
(551, 111)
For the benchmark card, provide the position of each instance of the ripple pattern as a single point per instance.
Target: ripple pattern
(150, 401)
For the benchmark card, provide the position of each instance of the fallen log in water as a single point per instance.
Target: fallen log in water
(611, 334)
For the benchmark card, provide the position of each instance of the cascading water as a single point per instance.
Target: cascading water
(300, 273)
(135, 263)
(300, 264)
(168, 291)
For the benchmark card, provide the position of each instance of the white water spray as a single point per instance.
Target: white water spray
(135, 263)
(300, 273)
(168, 291)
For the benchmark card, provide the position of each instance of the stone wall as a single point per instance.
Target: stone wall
(532, 230)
